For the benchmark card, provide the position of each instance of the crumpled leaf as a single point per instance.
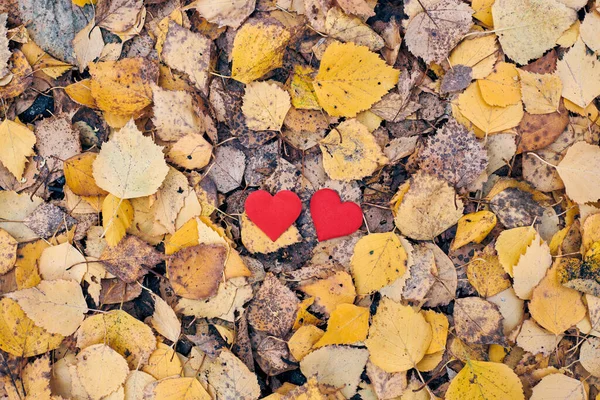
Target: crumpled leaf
(351, 79)
(433, 32)
(130, 165)
(57, 306)
(428, 207)
(527, 34)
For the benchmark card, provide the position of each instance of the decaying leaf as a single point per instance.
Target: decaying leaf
(478, 321)
(203, 260)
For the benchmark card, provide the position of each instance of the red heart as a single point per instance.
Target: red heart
(331, 217)
(273, 214)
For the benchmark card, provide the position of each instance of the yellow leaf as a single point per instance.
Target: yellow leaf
(8, 252)
(231, 379)
(123, 87)
(580, 75)
(348, 28)
(176, 388)
(486, 274)
(554, 306)
(351, 79)
(126, 335)
(190, 152)
(483, 11)
(479, 53)
(303, 317)
(430, 361)
(26, 266)
(488, 118)
(79, 176)
(302, 341)
(351, 152)
(164, 319)
(163, 362)
(439, 329)
(203, 260)
(301, 89)
(473, 228)
(81, 93)
(589, 356)
(531, 268)
(378, 260)
(541, 92)
(332, 291)
(535, 339)
(19, 336)
(231, 13)
(135, 384)
(591, 112)
(88, 45)
(117, 215)
(511, 307)
(481, 380)
(348, 324)
(428, 208)
(36, 378)
(101, 370)
(580, 171)
(41, 61)
(265, 106)
(512, 244)
(257, 49)
(130, 165)
(528, 33)
(82, 3)
(16, 144)
(501, 87)
(170, 198)
(559, 386)
(256, 241)
(62, 262)
(570, 36)
(398, 337)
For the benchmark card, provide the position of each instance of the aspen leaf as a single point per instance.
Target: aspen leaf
(511, 307)
(19, 335)
(590, 354)
(473, 228)
(17, 207)
(351, 79)
(302, 341)
(117, 216)
(81, 93)
(482, 380)
(257, 49)
(541, 92)
(273, 309)
(486, 274)
(478, 321)
(16, 144)
(443, 290)
(579, 170)
(527, 34)
(428, 208)
(535, 339)
(62, 262)
(203, 260)
(338, 366)
(96, 378)
(490, 119)
(531, 268)
(347, 324)
(554, 306)
(130, 165)
(501, 87)
(231, 379)
(398, 337)
(36, 378)
(176, 388)
(190, 152)
(57, 306)
(8, 252)
(378, 260)
(589, 29)
(123, 87)
(479, 53)
(332, 291)
(512, 244)
(135, 383)
(580, 75)
(434, 31)
(163, 362)
(131, 259)
(439, 330)
(170, 199)
(79, 175)
(123, 333)
(351, 152)
(118, 16)
(88, 45)
(559, 386)
(265, 106)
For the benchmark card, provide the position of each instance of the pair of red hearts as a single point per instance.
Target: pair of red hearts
(275, 214)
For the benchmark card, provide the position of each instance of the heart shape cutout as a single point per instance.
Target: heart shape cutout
(331, 217)
(273, 214)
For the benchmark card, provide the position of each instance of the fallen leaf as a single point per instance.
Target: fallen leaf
(118, 16)
(398, 337)
(512, 244)
(21, 76)
(79, 176)
(578, 170)
(432, 33)
(36, 378)
(589, 27)
(265, 106)
(347, 28)
(302, 341)
(478, 321)
(257, 50)
(575, 65)
(273, 309)
(473, 228)
(97, 380)
(88, 45)
(421, 274)
(486, 274)
(175, 388)
(227, 171)
(485, 380)
(347, 324)
(338, 366)
(62, 262)
(130, 164)
(16, 142)
(231, 379)
(57, 306)
(203, 260)
(256, 241)
(174, 114)
(135, 383)
(501, 87)
(123, 87)
(342, 70)
(190, 152)
(170, 199)
(163, 363)
(479, 53)
(131, 259)
(117, 215)
(511, 307)
(536, 339)
(428, 207)
(529, 33)
(16, 207)
(541, 92)
(559, 385)
(231, 13)
(4, 50)
(531, 268)
(8, 252)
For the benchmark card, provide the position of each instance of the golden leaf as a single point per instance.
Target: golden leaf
(117, 216)
(16, 144)
(481, 380)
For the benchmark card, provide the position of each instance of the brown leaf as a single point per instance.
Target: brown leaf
(47, 220)
(540, 130)
(186, 267)
(128, 259)
(273, 309)
(478, 321)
